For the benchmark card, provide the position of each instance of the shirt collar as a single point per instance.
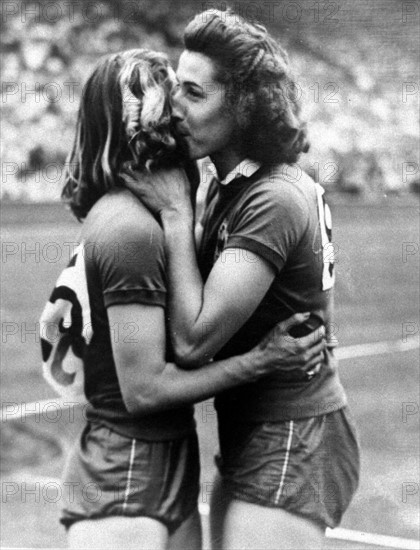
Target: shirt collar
(245, 168)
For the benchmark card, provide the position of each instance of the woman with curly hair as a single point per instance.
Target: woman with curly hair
(133, 475)
(288, 462)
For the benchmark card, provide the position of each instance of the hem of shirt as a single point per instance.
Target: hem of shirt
(145, 431)
(274, 406)
(267, 253)
(295, 411)
(139, 296)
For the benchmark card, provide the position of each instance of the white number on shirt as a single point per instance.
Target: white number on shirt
(328, 247)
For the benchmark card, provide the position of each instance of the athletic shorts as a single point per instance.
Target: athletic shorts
(108, 474)
(309, 467)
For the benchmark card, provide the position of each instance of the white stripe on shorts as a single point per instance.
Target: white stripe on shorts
(130, 473)
(286, 460)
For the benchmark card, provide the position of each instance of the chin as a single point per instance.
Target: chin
(195, 154)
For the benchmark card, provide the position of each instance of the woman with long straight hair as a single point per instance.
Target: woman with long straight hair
(289, 458)
(133, 475)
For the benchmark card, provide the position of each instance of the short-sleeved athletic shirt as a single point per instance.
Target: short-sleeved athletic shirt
(125, 264)
(276, 214)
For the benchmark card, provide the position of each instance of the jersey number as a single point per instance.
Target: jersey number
(328, 252)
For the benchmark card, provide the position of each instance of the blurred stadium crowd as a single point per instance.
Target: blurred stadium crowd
(356, 63)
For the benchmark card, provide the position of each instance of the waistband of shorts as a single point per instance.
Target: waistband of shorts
(280, 404)
(148, 428)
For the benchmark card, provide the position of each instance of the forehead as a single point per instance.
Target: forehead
(195, 67)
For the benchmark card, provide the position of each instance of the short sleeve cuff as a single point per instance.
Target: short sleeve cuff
(269, 254)
(135, 296)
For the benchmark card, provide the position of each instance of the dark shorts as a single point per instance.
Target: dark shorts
(309, 467)
(108, 474)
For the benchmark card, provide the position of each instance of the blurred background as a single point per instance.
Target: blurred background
(356, 63)
(358, 76)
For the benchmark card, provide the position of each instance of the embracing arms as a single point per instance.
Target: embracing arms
(203, 317)
(149, 384)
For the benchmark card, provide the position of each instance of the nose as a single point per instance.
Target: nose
(177, 109)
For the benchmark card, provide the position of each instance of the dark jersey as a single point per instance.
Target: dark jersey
(284, 220)
(125, 264)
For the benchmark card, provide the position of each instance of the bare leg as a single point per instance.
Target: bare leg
(218, 509)
(118, 532)
(188, 536)
(249, 526)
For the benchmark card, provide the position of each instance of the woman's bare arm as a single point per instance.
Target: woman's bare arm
(149, 384)
(202, 317)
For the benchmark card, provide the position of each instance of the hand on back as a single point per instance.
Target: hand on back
(298, 359)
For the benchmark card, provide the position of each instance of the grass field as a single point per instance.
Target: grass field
(377, 299)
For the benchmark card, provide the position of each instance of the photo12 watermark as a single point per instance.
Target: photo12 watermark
(275, 12)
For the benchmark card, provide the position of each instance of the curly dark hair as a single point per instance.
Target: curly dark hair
(124, 116)
(260, 89)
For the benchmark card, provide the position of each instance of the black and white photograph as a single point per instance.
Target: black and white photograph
(210, 275)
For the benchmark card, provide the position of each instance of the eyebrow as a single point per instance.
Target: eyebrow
(187, 82)
(190, 83)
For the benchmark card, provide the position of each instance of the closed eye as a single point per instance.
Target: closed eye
(191, 90)
(194, 93)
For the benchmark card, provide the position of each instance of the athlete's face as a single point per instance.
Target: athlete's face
(198, 108)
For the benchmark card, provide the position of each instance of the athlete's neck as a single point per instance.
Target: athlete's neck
(225, 162)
